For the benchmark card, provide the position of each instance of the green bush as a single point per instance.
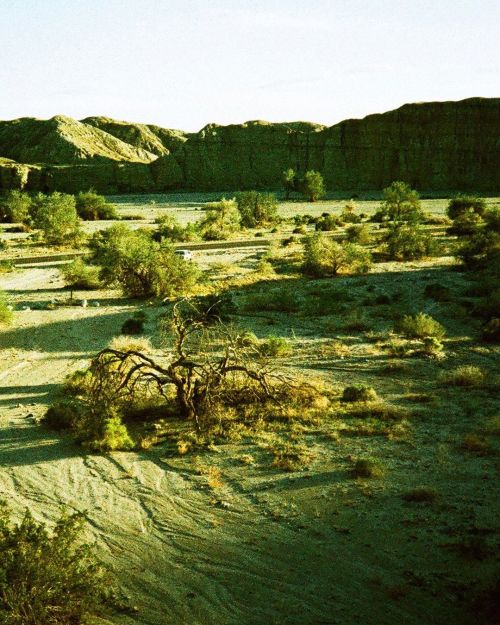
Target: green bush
(312, 185)
(420, 326)
(63, 415)
(463, 203)
(359, 392)
(482, 249)
(407, 242)
(257, 209)
(220, 221)
(55, 215)
(169, 228)
(325, 257)
(366, 467)
(359, 234)
(275, 346)
(401, 204)
(90, 206)
(466, 223)
(327, 223)
(15, 207)
(114, 436)
(141, 266)
(349, 215)
(465, 375)
(49, 578)
(79, 275)
(5, 309)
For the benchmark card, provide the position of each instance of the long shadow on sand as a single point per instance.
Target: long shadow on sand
(80, 335)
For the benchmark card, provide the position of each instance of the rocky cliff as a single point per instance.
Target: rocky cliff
(434, 146)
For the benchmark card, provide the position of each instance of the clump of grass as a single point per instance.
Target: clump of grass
(367, 468)
(125, 343)
(291, 456)
(419, 398)
(420, 326)
(466, 375)
(357, 321)
(421, 494)
(278, 300)
(334, 349)
(398, 348)
(275, 346)
(5, 310)
(213, 476)
(377, 410)
(359, 392)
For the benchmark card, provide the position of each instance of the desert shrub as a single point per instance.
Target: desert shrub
(132, 326)
(55, 215)
(491, 331)
(431, 346)
(324, 257)
(312, 185)
(420, 326)
(401, 204)
(349, 215)
(299, 230)
(141, 266)
(49, 578)
(407, 242)
(482, 249)
(421, 494)
(114, 436)
(463, 203)
(5, 309)
(79, 275)
(275, 346)
(169, 228)
(90, 206)
(15, 207)
(290, 456)
(257, 209)
(6, 265)
(399, 349)
(359, 234)
(376, 410)
(366, 467)
(327, 223)
(63, 415)
(220, 221)
(359, 392)
(465, 223)
(465, 375)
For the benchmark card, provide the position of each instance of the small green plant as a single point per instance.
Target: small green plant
(367, 468)
(359, 234)
(359, 392)
(420, 326)
(275, 346)
(291, 456)
(465, 375)
(114, 436)
(431, 346)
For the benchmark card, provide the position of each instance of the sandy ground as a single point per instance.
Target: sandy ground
(264, 547)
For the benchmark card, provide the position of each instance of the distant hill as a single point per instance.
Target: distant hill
(433, 146)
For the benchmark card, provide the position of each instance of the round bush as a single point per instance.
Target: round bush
(359, 392)
(133, 326)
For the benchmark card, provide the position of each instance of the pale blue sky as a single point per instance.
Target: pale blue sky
(182, 64)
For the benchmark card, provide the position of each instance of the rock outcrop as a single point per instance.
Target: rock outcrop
(436, 146)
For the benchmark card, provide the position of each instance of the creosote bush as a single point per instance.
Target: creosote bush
(359, 392)
(465, 375)
(366, 468)
(407, 241)
(49, 578)
(325, 257)
(420, 326)
(79, 275)
(90, 206)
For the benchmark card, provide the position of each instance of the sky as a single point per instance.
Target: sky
(185, 63)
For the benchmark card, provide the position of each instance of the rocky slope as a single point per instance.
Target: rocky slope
(434, 146)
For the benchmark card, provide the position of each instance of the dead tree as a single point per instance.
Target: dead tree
(202, 377)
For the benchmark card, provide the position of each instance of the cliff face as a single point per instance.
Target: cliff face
(433, 146)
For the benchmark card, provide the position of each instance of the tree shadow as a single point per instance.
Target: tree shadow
(81, 335)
